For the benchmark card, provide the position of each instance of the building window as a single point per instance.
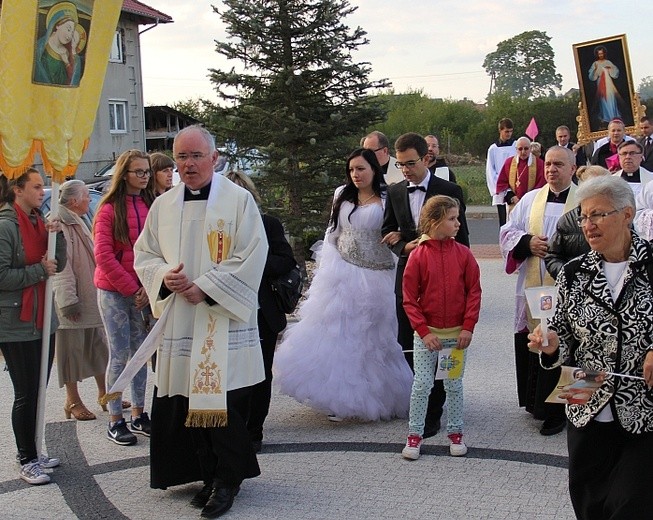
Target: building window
(117, 48)
(118, 117)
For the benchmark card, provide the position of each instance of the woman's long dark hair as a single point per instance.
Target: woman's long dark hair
(350, 191)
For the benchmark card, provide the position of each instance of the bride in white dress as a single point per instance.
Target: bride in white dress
(342, 357)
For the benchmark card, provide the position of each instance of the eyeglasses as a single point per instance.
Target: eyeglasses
(595, 218)
(195, 156)
(408, 164)
(523, 148)
(141, 173)
(375, 149)
(629, 154)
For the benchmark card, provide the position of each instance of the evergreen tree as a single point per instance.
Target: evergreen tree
(295, 99)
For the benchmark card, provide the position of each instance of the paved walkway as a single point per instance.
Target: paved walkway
(315, 469)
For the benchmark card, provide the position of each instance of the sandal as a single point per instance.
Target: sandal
(125, 404)
(78, 411)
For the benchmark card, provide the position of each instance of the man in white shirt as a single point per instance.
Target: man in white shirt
(497, 154)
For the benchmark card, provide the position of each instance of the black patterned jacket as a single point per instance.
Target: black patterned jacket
(600, 334)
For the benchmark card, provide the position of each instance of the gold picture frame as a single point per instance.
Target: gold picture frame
(606, 87)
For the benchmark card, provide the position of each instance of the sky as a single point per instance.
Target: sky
(435, 46)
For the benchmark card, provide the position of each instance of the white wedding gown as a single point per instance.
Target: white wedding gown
(342, 356)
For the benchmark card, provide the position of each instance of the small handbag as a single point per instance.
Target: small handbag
(287, 289)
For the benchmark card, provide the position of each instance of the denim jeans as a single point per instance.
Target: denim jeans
(425, 363)
(126, 330)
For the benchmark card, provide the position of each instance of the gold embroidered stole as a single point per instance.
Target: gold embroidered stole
(207, 405)
(534, 276)
(513, 175)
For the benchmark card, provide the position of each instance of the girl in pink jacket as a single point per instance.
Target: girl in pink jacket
(121, 298)
(442, 299)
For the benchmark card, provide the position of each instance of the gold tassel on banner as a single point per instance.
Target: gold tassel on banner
(206, 419)
(104, 400)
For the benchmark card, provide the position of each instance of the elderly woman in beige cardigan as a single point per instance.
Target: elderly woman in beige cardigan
(81, 347)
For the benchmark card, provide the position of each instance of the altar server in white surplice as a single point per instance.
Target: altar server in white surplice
(524, 243)
(202, 252)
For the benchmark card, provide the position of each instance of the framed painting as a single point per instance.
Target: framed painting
(606, 87)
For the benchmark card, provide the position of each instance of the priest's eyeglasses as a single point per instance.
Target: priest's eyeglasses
(195, 156)
(595, 218)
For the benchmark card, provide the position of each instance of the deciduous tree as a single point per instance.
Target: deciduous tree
(524, 66)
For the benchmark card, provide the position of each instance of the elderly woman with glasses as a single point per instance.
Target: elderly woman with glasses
(122, 299)
(604, 322)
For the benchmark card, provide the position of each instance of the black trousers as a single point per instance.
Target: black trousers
(610, 472)
(503, 216)
(225, 453)
(23, 360)
(534, 383)
(259, 402)
(405, 338)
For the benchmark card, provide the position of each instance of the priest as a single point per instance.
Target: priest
(200, 257)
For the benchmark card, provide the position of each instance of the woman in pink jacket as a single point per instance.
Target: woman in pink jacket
(122, 300)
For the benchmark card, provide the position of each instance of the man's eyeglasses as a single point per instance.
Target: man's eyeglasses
(520, 148)
(407, 164)
(629, 154)
(195, 156)
(594, 218)
(141, 173)
(375, 149)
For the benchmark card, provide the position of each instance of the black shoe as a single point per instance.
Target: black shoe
(256, 446)
(431, 430)
(203, 496)
(220, 501)
(552, 426)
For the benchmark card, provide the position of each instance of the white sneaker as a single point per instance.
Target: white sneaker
(334, 418)
(32, 473)
(44, 461)
(457, 447)
(413, 445)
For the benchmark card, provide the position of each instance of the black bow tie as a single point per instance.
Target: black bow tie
(411, 189)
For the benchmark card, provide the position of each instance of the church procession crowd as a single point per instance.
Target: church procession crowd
(190, 269)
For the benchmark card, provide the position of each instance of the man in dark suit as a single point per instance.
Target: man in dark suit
(563, 137)
(647, 142)
(403, 204)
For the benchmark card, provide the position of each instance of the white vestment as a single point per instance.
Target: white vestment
(178, 231)
(519, 224)
(496, 157)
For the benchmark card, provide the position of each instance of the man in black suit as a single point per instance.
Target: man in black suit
(403, 204)
(647, 142)
(563, 137)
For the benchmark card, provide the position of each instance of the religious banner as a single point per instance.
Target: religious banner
(54, 58)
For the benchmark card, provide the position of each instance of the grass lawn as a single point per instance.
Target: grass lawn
(471, 179)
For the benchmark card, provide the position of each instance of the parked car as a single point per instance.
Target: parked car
(102, 178)
(95, 198)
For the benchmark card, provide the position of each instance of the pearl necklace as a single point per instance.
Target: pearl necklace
(363, 202)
